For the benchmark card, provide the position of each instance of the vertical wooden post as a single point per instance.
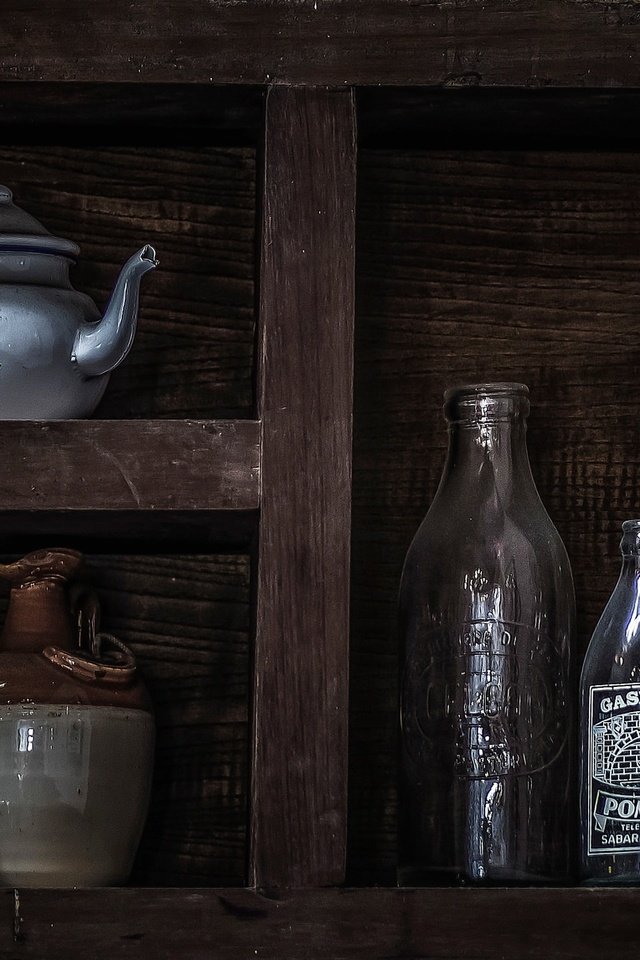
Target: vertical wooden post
(305, 373)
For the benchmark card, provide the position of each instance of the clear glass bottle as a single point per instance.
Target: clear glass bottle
(487, 615)
(610, 731)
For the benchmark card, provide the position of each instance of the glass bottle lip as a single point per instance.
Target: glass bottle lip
(486, 402)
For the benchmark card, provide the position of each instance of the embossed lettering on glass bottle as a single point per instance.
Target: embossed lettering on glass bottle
(610, 731)
(487, 614)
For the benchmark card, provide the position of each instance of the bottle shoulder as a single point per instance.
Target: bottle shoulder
(468, 539)
(613, 653)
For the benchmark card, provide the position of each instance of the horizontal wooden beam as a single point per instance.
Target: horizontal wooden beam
(129, 465)
(537, 43)
(363, 924)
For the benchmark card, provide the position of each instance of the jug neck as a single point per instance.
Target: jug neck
(487, 439)
(37, 617)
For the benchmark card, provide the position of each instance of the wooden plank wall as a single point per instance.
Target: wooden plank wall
(187, 620)
(471, 266)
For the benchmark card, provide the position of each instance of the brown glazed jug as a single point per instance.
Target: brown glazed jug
(76, 735)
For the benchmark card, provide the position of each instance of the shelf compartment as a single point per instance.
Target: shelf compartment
(479, 266)
(187, 618)
(112, 189)
(107, 478)
(362, 924)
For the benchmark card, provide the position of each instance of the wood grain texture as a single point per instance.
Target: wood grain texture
(299, 789)
(524, 924)
(485, 266)
(501, 42)
(193, 351)
(187, 619)
(139, 465)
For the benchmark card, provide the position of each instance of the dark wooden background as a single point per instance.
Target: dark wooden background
(187, 620)
(471, 266)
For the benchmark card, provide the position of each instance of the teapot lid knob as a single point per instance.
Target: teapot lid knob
(5, 195)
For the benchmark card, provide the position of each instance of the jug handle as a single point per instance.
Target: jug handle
(89, 662)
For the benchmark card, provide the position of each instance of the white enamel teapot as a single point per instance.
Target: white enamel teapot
(56, 351)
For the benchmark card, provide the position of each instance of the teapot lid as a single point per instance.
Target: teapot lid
(20, 232)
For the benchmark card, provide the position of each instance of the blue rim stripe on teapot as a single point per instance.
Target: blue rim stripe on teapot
(14, 243)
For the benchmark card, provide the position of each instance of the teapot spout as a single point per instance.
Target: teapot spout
(99, 347)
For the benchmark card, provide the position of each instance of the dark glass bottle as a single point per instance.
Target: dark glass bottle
(610, 731)
(487, 614)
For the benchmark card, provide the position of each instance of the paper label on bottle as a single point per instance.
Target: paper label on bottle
(614, 769)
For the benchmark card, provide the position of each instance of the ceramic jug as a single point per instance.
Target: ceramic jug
(56, 352)
(76, 736)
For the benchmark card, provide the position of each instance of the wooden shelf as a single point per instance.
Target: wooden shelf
(549, 73)
(531, 43)
(162, 480)
(352, 924)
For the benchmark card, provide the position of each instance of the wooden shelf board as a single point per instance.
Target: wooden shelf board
(350, 924)
(531, 43)
(140, 466)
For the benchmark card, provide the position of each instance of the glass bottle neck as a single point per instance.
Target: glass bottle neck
(625, 600)
(630, 569)
(493, 451)
(628, 585)
(630, 545)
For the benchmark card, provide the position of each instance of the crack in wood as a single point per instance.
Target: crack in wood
(18, 921)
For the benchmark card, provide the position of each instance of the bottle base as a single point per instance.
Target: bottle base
(631, 880)
(432, 877)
